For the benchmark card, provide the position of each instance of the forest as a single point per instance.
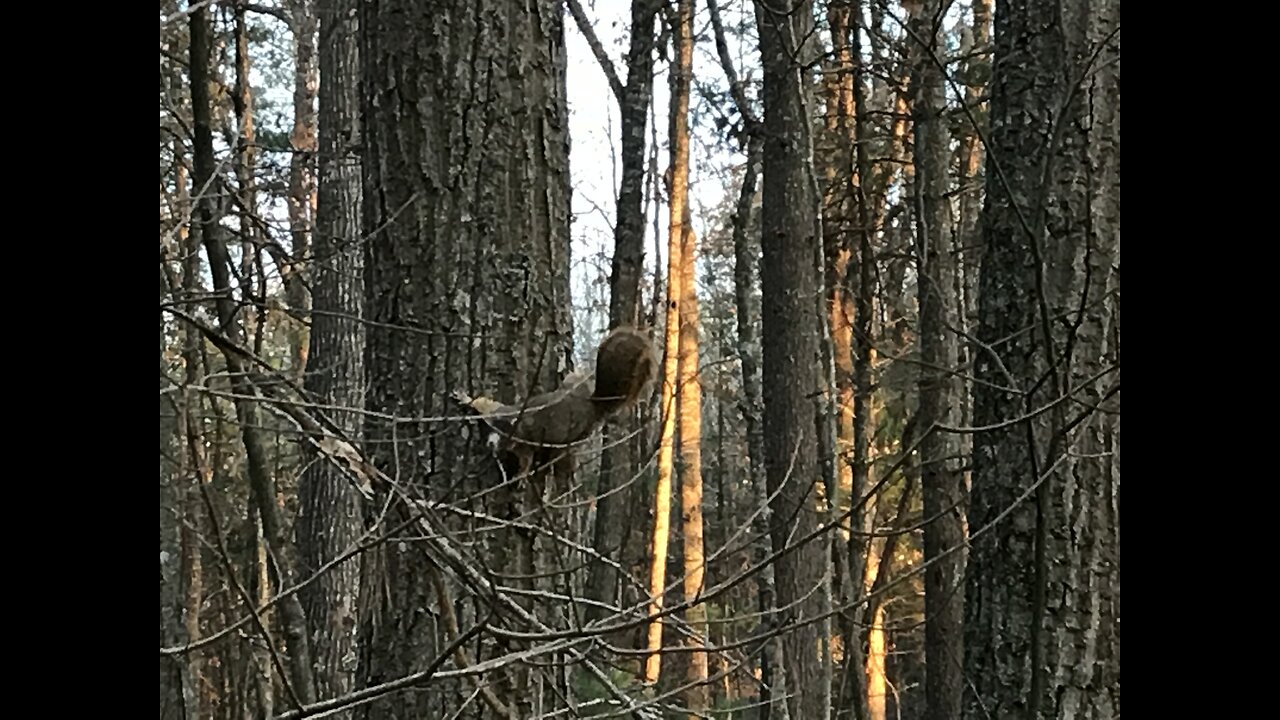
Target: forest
(733, 359)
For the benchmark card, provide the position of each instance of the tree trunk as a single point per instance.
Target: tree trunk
(673, 399)
(877, 680)
(942, 481)
(303, 20)
(691, 452)
(617, 464)
(329, 520)
(791, 230)
(260, 479)
(1042, 599)
(747, 305)
(465, 199)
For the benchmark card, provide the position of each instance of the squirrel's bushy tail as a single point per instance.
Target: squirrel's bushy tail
(625, 365)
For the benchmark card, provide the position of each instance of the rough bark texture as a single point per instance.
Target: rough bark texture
(746, 252)
(466, 277)
(617, 464)
(1042, 602)
(790, 235)
(939, 396)
(329, 520)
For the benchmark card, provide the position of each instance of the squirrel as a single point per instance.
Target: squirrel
(549, 424)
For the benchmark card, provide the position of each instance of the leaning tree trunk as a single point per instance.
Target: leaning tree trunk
(941, 478)
(1042, 598)
(790, 233)
(466, 220)
(329, 512)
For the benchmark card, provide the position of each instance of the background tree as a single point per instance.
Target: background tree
(942, 483)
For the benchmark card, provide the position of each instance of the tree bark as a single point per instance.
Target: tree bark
(746, 251)
(696, 698)
(329, 519)
(466, 218)
(939, 394)
(673, 399)
(303, 20)
(791, 231)
(1042, 597)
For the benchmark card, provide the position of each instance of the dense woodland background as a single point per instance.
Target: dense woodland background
(879, 476)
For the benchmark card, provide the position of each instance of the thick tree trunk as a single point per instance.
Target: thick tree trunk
(1042, 598)
(329, 519)
(466, 282)
(791, 232)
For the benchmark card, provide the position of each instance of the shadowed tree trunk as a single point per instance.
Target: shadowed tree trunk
(466, 217)
(941, 478)
(617, 465)
(746, 252)
(262, 482)
(789, 239)
(1042, 636)
(329, 512)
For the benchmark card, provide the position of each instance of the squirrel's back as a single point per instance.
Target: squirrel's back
(625, 364)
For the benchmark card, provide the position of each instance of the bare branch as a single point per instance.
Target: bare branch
(584, 26)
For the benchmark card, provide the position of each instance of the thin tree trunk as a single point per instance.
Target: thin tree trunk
(617, 464)
(329, 518)
(250, 244)
(747, 304)
(690, 386)
(863, 355)
(969, 235)
(261, 583)
(677, 280)
(303, 20)
(942, 482)
(691, 448)
(260, 479)
(877, 679)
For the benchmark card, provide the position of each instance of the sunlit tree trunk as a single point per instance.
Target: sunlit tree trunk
(681, 75)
